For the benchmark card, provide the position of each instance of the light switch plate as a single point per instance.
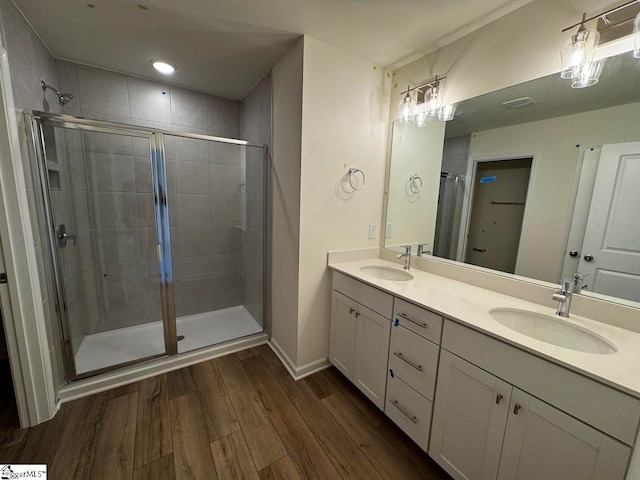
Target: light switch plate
(387, 231)
(373, 231)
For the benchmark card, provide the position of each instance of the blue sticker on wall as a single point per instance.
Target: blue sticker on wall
(490, 179)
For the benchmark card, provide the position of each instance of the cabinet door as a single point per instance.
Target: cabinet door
(543, 442)
(342, 333)
(470, 414)
(371, 354)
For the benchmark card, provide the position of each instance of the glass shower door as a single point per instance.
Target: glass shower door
(103, 202)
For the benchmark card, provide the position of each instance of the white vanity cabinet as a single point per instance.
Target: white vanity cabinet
(471, 410)
(359, 335)
(485, 427)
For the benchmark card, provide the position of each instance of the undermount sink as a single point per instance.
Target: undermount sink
(387, 273)
(553, 330)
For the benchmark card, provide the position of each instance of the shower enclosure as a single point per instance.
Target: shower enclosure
(156, 239)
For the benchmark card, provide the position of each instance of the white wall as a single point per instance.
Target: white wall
(553, 144)
(285, 240)
(344, 123)
(414, 150)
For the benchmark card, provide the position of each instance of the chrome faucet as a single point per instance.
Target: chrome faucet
(407, 256)
(578, 282)
(422, 249)
(563, 297)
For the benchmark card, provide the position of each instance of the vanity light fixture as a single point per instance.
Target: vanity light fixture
(406, 107)
(163, 67)
(579, 51)
(419, 103)
(578, 57)
(435, 97)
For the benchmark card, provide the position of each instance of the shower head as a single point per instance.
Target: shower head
(63, 98)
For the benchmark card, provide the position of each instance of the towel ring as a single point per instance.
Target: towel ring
(351, 173)
(415, 187)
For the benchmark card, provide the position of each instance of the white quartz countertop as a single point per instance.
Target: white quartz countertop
(470, 305)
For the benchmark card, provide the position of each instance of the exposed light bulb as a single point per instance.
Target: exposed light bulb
(588, 74)
(163, 67)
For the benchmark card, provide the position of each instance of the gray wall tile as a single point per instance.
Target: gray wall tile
(104, 92)
(149, 100)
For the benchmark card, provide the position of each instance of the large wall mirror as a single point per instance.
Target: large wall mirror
(538, 180)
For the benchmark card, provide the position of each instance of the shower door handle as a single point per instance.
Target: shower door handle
(64, 236)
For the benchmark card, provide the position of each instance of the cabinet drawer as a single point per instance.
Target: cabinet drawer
(423, 322)
(364, 294)
(414, 360)
(409, 410)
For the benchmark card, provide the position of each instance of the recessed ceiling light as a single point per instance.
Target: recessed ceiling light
(163, 67)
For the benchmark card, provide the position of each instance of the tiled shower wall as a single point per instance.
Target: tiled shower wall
(204, 181)
(255, 127)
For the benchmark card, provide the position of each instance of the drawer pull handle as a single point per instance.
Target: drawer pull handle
(402, 315)
(357, 314)
(413, 418)
(408, 362)
(351, 310)
(498, 399)
(517, 408)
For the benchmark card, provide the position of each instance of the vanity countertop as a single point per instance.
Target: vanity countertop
(470, 305)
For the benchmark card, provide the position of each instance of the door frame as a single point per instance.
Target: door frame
(23, 313)
(467, 204)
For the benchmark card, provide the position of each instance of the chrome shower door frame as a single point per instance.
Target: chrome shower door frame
(157, 160)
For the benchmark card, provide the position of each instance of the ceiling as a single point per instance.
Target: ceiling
(224, 47)
(554, 97)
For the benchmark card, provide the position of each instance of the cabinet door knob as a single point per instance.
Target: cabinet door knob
(516, 408)
(499, 399)
(351, 310)
(357, 314)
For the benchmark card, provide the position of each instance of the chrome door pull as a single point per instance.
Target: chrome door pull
(351, 310)
(63, 235)
(413, 418)
(517, 408)
(479, 250)
(402, 315)
(408, 362)
(499, 399)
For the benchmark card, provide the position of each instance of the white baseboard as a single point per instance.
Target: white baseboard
(101, 383)
(298, 373)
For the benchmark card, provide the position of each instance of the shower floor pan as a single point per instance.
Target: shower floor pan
(105, 349)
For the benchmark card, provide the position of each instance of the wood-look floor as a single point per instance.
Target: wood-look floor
(239, 416)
